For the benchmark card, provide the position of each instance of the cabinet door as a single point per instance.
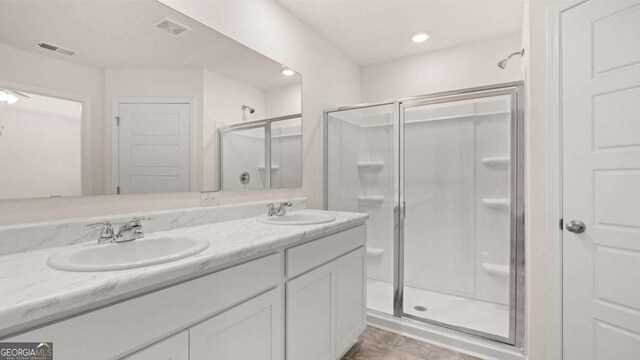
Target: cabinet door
(311, 315)
(175, 347)
(350, 299)
(249, 331)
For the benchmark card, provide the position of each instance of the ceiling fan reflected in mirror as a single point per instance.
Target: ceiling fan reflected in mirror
(11, 96)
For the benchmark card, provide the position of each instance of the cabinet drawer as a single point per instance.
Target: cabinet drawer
(143, 320)
(314, 253)
(175, 347)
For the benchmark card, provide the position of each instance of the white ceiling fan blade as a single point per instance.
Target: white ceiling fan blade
(18, 93)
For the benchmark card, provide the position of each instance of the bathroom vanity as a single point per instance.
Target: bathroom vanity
(259, 291)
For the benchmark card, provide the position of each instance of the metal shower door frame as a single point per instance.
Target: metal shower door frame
(516, 280)
(517, 256)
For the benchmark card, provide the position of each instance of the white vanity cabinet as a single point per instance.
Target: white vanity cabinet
(252, 330)
(122, 329)
(326, 308)
(236, 313)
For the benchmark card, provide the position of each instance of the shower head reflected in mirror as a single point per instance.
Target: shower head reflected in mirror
(504, 62)
(251, 110)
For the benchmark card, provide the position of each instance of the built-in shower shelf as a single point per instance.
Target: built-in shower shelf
(496, 162)
(370, 200)
(497, 204)
(374, 252)
(495, 269)
(370, 166)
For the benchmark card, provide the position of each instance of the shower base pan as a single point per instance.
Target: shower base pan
(449, 309)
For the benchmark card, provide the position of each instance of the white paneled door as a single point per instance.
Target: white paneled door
(601, 180)
(153, 148)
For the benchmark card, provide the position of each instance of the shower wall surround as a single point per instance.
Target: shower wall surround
(458, 194)
(460, 166)
(41, 235)
(362, 149)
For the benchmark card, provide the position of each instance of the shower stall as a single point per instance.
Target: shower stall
(441, 177)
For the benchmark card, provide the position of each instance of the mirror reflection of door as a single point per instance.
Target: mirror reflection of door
(153, 152)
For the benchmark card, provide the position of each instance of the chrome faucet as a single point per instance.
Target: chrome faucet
(106, 232)
(280, 210)
(129, 231)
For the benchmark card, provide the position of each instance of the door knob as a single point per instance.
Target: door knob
(576, 226)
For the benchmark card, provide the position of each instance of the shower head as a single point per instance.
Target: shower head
(503, 63)
(251, 110)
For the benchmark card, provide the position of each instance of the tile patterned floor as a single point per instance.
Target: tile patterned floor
(376, 344)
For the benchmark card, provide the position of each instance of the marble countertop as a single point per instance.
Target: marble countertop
(32, 293)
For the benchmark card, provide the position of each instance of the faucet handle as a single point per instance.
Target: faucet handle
(139, 233)
(106, 234)
(281, 210)
(271, 209)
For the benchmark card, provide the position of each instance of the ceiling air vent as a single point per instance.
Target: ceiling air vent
(56, 48)
(171, 26)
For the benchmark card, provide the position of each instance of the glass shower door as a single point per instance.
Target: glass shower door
(460, 188)
(361, 151)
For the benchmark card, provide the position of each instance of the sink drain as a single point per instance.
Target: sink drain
(419, 308)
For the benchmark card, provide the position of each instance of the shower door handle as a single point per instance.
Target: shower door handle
(576, 226)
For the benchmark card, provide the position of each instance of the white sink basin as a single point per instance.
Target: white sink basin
(298, 218)
(126, 255)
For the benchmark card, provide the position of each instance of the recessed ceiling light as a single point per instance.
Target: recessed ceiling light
(419, 37)
(287, 72)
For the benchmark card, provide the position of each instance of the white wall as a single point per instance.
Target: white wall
(284, 100)
(455, 68)
(26, 71)
(224, 98)
(537, 227)
(40, 148)
(328, 76)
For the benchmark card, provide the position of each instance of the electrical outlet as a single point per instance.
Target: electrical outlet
(210, 198)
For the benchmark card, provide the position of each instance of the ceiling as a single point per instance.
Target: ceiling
(108, 34)
(380, 30)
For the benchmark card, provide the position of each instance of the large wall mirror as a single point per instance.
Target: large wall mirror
(126, 97)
